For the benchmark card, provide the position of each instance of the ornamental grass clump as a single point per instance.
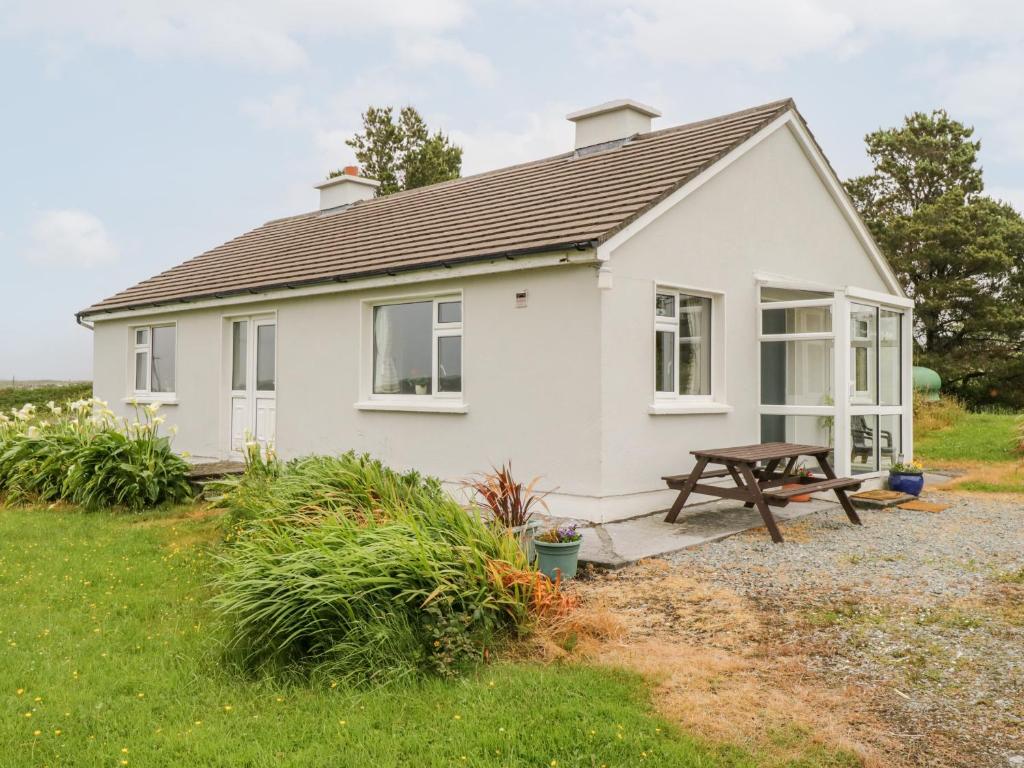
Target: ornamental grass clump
(347, 567)
(83, 454)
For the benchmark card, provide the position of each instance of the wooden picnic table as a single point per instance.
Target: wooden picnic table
(754, 470)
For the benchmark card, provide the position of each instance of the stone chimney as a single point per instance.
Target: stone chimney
(611, 121)
(346, 189)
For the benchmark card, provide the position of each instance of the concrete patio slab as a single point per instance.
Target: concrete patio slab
(614, 545)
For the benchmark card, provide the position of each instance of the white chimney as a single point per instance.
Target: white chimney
(611, 121)
(346, 189)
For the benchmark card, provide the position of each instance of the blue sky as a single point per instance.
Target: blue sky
(138, 134)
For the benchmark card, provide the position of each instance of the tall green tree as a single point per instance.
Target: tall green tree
(403, 153)
(958, 253)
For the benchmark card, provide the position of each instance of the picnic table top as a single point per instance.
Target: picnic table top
(761, 452)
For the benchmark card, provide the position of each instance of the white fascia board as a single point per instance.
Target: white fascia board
(490, 267)
(879, 298)
(790, 120)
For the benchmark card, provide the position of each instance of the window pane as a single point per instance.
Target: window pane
(142, 336)
(890, 444)
(449, 312)
(863, 354)
(863, 444)
(790, 294)
(807, 430)
(449, 364)
(162, 369)
(664, 361)
(239, 353)
(797, 320)
(141, 371)
(402, 340)
(694, 345)
(665, 305)
(265, 363)
(797, 372)
(889, 357)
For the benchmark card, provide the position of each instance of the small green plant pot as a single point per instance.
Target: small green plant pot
(552, 557)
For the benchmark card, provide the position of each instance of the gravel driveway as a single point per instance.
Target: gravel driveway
(924, 610)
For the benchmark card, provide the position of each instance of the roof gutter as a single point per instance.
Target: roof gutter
(83, 323)
(577, 245)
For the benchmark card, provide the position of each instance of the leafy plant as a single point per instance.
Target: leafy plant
(908, 468)
(81, 453)
(316, 486)
(506, 501)
(561, 535)
(344, 565)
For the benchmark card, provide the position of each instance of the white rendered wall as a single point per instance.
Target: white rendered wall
(768, 212)
(531, 380)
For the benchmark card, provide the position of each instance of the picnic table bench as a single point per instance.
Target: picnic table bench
(758, 481)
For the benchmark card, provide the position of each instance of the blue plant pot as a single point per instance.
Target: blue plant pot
(906, 483)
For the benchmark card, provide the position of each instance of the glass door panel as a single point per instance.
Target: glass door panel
(863, 354)
(890, 357)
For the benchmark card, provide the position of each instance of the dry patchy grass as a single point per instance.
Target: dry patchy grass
(719, 666)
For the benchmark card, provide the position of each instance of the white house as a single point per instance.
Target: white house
(592, 316)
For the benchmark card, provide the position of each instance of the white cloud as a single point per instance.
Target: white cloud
(263, 34)
(427, 49)
(523, 137)
(770, 33)
(70, 238)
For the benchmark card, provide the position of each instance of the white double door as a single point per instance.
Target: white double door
(253, 398)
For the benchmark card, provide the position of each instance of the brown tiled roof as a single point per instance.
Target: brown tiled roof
(560, 202)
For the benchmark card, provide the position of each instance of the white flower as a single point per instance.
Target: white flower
(173, 429)
(153, 407)
(33, 432)
(185, 454)
(159, 420)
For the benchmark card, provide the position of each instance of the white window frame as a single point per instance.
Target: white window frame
(673, 402)
(146, 394)
(435, 401)
(843, 395)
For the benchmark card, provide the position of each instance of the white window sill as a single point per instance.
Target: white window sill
(428, 406)
(144, 399)
(683, 408)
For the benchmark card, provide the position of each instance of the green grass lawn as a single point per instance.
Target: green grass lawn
(15, 397)
(983, 444)
(976, 437)
(110, 657)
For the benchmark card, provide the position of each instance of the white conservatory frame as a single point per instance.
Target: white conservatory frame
(843, 408)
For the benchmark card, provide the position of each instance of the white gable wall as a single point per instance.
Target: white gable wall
(768, 212)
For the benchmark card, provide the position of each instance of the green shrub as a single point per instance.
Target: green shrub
(344, 565)
(357, 484)
(81, 453)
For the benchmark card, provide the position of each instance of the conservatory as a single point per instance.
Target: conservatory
(836, 370)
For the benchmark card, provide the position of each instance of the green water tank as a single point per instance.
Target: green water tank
(927, 382)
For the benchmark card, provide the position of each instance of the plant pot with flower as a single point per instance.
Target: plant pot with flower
(803, 476)
(558, 552)
(907, 477)
(509, 504)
